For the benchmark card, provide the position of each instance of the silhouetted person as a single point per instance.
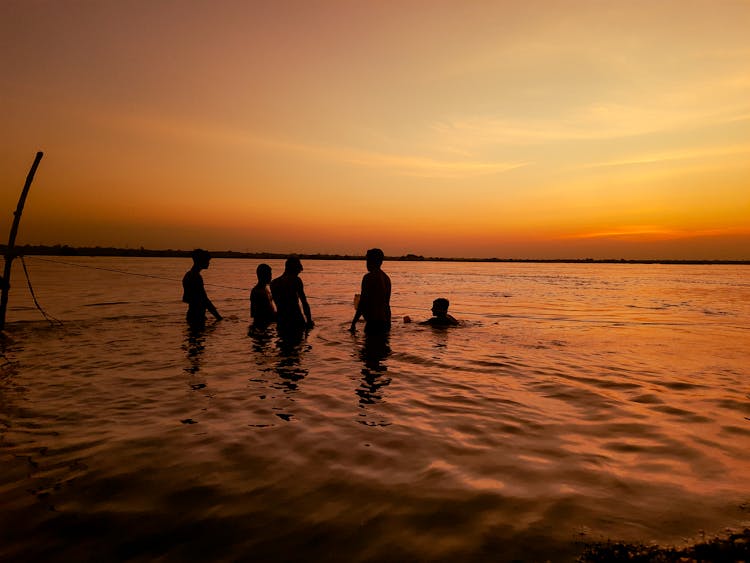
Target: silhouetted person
(288, 293)
(375, 298)
(262, 309)
(194, 294)
(440, 314)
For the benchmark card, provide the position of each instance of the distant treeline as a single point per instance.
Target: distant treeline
(65, 250)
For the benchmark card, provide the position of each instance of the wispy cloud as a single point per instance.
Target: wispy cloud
(424, 167)
(654, 232)
(676, 155)
(638, 231)
(406, 165)
(597, 122)
(399, 164)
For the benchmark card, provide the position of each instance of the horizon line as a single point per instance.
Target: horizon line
(95, 251)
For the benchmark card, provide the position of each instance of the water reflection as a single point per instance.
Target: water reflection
(440, 332)
(7, 371)
(289, 364)
(6, 365)
(262, 341)
(195, 345)
(373, 354)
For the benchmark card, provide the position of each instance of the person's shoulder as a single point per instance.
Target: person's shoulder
(381, 276)
(299, 287)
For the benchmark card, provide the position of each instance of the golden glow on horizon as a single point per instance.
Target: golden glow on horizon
(583, 129)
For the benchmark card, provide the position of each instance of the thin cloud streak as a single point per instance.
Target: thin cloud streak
(653, 231)
(413, 166)
(656, 158)
(597, 123)
(428, 167)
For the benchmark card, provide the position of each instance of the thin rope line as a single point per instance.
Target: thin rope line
(127, 273)
(52, 320)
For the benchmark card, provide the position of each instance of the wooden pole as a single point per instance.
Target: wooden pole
(10, 250)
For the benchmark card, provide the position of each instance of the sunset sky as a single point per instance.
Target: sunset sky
(547, 129)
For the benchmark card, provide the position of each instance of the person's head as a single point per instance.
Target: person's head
(264, 273)
(374, 258)
(440, 307)
(292, 266)
(201, 258)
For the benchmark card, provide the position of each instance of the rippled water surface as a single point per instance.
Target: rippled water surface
(578, 402)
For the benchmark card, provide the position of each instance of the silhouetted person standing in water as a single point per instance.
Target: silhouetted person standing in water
(288, 293)
(375, 299)
(194, 294)
(261, 305)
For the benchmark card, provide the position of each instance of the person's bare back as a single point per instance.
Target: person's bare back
(375, 300)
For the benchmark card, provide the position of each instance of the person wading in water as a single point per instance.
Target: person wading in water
(194, 294)
(375, 299)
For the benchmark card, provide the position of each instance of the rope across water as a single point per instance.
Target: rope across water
(164, 278)
(128, 273)
(52, 320)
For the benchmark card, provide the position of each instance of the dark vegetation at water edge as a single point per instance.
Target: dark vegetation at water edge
(65, 250)
(735, 547)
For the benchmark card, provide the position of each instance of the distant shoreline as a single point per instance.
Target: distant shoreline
(65, 250)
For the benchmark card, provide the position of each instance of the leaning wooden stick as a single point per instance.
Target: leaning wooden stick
(10, 250)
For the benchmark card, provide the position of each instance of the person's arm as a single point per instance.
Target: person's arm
(212, 309)
(209, 306)
(305, 304)
(271, 302)
(357, 315)
(360, 307)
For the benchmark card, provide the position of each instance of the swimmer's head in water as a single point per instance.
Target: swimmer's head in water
(440, 306)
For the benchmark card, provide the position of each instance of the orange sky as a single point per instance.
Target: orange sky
(511, 129)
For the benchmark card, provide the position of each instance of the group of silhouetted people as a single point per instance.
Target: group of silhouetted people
(283, 301)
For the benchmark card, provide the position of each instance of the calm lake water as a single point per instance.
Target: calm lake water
(577, 403)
